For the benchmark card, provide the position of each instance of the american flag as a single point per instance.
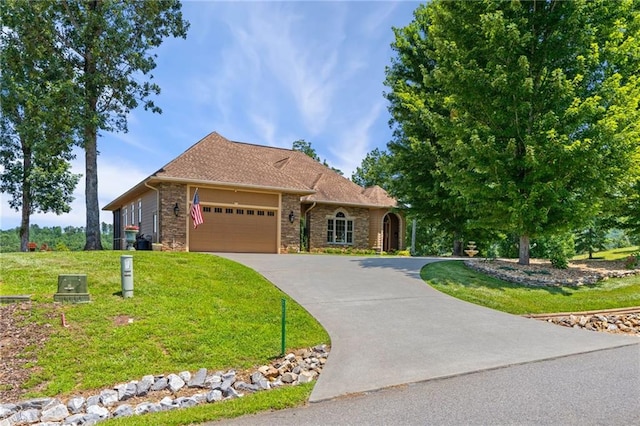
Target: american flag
(196, 213)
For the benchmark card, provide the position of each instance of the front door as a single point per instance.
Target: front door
(391, 233)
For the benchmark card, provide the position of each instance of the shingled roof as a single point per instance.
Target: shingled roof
(218, 161)
(328, 186)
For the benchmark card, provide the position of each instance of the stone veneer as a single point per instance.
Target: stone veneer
(318, 226)
(173, 230)
(290, 232)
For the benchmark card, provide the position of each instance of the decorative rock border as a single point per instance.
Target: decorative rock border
(617, 323)
(536, 277)
(301, 366)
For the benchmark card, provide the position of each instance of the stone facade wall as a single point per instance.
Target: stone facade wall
(290, 232)
(173, 230)
(318, 226)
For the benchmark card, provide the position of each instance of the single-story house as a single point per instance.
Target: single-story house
(252, 198)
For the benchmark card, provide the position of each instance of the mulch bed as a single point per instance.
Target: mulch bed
(19, 335)
(542, 273)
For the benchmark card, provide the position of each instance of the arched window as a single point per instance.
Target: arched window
(340, 229)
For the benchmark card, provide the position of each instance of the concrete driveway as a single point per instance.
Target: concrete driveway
(389, 328)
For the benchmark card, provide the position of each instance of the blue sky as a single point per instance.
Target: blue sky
(261, 72)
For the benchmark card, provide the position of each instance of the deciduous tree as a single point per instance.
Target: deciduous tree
(416, 157)
(533, 106)
(306, 148)
(37, 114)
(109, 45)
(375, 169)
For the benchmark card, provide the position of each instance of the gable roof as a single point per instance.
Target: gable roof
(216, 160)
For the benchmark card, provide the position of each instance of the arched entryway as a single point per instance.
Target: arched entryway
(390, 232)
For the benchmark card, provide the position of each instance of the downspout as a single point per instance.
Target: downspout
(156, 237)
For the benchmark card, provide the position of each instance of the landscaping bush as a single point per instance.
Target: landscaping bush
(557, 248)
(344, 250)
(632, 261)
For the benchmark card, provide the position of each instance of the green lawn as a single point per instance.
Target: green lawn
(277, 399)
(454, 279)
(613, 254)
(189, 311)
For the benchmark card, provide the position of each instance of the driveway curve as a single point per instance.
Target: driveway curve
(388, 327)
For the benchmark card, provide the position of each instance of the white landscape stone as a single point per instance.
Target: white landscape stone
(222, 385)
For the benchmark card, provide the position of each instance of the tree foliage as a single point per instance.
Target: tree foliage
(591, 239)
(416, 157)
(525, 113)
(54, 238)
(375, 169)
(107, 43)
(305, 147)
(631, 221)
(36, 120)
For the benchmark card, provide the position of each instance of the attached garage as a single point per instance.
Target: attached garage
(252, 199)
(236, 221)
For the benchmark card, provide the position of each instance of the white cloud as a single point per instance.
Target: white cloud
(354, 142)
(377, 19)
(132, 141)
(266, 128)
(273, 60)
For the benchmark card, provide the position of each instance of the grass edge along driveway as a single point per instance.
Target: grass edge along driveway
(189, 310)
(455, 279)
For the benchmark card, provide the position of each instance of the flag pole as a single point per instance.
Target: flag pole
(196, 213)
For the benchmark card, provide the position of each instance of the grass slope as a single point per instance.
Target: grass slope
(277, 399)
(455, 279)
(613, 254)
(189, 311)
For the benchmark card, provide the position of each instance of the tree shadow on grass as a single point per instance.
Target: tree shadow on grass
(468, 278)
(627, 250)
(410, 266)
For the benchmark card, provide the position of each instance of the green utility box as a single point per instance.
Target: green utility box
(72, 288)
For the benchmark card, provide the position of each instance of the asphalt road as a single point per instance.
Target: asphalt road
(598, 388)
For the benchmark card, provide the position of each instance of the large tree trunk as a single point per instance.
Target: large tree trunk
(26, 197)
(26, 214)
(524, 250)
(92, 231)
(457, 244)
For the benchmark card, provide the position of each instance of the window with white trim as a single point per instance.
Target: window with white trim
(340, 229)
(139, 211)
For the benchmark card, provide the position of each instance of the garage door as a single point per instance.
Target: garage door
(235, 229)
